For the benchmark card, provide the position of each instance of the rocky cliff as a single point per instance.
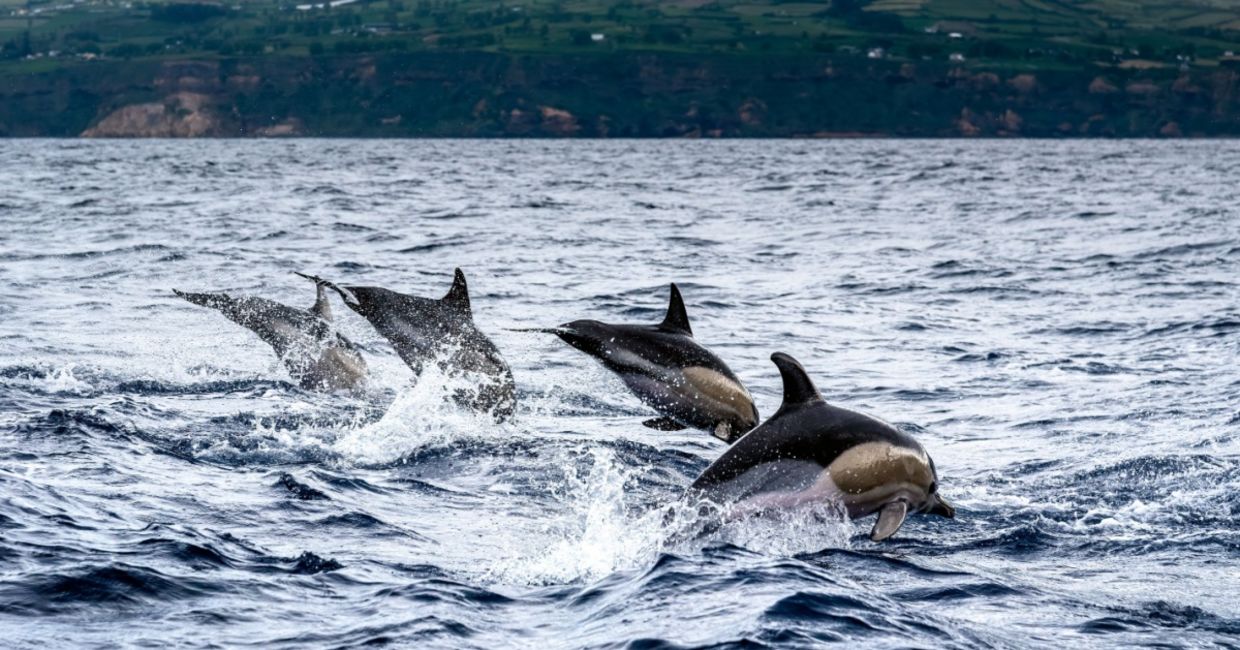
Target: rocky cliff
(496, 95)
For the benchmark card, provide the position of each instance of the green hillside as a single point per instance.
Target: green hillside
(1030, 33)
(90, 57)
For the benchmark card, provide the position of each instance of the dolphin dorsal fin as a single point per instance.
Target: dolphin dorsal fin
(798, 387)
(458, 295)
(347, 296)
(677, 319)
(322, 306)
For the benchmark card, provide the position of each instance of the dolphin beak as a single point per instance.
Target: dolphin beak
(537, 330)
(565, 332)
(578, 334)
(345, 295)
(575, 338)
(942, 507)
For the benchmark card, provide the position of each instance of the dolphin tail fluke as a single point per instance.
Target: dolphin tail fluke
(677, 319)
(212, 300)
(798, 387)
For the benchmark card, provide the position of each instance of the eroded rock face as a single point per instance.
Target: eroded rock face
(291, 127)
(558, 121)
(752, 111)
(1100, 86)
(965, 125)
(1024, 83)
(1012, 121)
(179, 115)
(478, 94)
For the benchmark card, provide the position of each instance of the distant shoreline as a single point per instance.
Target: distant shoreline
(495, 95)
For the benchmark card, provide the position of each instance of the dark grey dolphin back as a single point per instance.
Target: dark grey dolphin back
(425, 329)
(805, 428)
(473, 351)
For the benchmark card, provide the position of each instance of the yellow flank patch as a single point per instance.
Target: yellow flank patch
(872, 465)
(717, 387)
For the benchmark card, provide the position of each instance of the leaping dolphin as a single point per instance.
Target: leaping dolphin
(811, 451)
(669, 371)
(315, 354)
(443, 331)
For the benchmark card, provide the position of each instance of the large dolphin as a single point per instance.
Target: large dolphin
(440, 331)
(810, 451)
(316, 355)
(669, 371)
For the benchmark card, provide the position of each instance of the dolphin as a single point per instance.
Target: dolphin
(315, 354)
(442, 331)
(669, 371)
(812, 451)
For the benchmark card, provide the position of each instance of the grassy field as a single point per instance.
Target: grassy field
(1009, 33)
(694, 68)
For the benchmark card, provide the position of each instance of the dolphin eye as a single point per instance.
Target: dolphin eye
(934, 487)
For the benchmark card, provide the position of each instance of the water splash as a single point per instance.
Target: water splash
(604, 525)
(423, 416)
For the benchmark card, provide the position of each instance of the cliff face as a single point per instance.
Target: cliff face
(495, 95)
(179, 115)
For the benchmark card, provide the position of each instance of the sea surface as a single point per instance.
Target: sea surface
(1057, 322)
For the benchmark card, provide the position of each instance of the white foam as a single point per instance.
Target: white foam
(595, 533)
(422, 416)
(602, 528)
(60, 379)
(804, 529)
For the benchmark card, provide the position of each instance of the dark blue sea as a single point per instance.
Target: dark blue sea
(1058, 323)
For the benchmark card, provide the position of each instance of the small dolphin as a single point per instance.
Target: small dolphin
(812, 451)
(422, 329)
(669, 371)
(315, 354)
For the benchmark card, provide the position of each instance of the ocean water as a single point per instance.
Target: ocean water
(1057, 322)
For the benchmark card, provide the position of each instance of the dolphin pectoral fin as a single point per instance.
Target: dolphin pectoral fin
(890, 518)
(664, 424)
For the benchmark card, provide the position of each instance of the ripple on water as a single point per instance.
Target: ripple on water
(1067, 355)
